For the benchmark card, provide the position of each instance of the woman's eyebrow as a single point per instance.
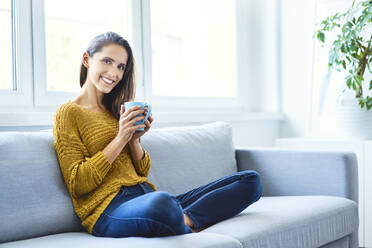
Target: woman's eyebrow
(113, 60)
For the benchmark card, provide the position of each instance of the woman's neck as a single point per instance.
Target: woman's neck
(90, 98)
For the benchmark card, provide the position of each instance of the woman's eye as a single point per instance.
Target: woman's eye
(121, 68)
(106, 61)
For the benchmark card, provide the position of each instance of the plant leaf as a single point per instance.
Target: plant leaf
(320, 36)
(344, 64)
(361, 103)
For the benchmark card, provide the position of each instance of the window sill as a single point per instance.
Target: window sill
(210, 116)
(46, 118)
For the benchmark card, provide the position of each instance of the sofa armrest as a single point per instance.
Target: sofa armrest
(302, 172)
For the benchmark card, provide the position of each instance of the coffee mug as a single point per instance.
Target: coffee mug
(128, 105)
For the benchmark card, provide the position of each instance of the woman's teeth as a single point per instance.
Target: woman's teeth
(107, 80)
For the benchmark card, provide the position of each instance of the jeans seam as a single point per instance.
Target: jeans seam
(147, 219)
(234, 178)
(191, 199)
(205, 195)
(196, 223)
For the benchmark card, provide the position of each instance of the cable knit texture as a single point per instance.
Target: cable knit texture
(80, 135)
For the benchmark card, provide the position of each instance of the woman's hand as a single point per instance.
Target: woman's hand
(126, 123)
(148, 122)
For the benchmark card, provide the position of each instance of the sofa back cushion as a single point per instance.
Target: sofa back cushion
(183, 158)
(35, 202)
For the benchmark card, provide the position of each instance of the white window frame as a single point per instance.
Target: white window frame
(42, 96)
(22, 96)
(178, 103)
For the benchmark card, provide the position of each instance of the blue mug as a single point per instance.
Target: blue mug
(128, 105)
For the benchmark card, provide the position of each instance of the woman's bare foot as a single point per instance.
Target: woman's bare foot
(188, 222)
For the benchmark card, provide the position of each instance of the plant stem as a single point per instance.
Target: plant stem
(362, 66)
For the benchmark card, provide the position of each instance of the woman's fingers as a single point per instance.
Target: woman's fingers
(136, 119)
(151, 119)
(132, 112)
(122, 109)
(148, 125)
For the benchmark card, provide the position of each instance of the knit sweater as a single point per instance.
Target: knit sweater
(80, 135)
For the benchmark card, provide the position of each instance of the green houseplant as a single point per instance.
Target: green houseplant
(351, 51)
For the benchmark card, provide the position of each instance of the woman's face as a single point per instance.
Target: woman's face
(106, 67)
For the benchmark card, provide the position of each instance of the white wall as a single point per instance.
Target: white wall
(297, 27)
(259, 54)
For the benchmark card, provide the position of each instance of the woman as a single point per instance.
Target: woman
(105, 168)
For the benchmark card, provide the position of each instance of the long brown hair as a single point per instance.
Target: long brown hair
(124, 91)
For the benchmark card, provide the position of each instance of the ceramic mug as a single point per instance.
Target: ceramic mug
(143, 105)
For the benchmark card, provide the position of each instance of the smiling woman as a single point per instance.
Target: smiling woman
(100, 156)
(93, 133)
(107, 68)
(103, 66)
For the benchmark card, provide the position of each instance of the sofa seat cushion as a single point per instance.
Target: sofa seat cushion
(85, 240)
(291, 221)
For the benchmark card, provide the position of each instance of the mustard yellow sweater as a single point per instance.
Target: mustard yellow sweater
(80, 135)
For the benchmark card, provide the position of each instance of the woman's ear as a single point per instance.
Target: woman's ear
(85, 59)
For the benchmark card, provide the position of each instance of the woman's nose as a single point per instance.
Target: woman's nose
(113, 75)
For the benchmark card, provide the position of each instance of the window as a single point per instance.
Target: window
(327, 86)
(184, 50)
(193, 48)
(16, 51)
(6, 62)
(69, 27)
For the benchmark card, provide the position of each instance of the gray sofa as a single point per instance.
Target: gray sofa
(310, 198)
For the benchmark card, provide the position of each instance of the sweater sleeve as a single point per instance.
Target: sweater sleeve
(82, 174)
(143, 166)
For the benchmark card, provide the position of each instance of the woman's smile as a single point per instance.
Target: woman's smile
(107, 81)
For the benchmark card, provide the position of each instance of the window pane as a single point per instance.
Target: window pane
(193, 48)
(6, 82)
(70, 25)
(327, 85)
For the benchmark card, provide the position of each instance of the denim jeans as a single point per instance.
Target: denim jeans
(139, 211)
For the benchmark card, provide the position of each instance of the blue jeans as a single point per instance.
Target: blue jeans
(139, 211)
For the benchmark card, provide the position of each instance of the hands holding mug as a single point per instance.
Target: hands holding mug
(135, 121)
